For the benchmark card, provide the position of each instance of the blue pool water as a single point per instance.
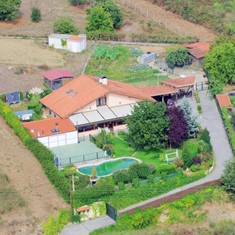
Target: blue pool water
(108, 167)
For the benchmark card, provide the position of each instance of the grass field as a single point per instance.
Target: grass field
(123, 66)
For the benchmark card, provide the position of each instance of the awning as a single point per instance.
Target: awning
(103, 113)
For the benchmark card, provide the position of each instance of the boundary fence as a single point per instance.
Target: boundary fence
(63, 161)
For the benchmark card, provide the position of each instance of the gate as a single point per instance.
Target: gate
(200, 86)
(111, 212)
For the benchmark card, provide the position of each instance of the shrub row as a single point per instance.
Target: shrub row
(54, 225)
(228, 127)
(43, 154)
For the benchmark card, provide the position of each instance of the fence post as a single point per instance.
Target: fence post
(97, 156)
(84, 157)
(70, 160)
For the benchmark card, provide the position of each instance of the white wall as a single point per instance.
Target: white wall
(116, 100)
(60, 139)
(56, 43)
(89, 107)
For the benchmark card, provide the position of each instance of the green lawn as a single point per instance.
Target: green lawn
(124, 67)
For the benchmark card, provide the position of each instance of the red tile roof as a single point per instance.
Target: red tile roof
(56, 74)
(76, 38)
(198, 49)
(158, 90)
(83, 208)
(83, 91)
(223, 100)
(180, 82)
(43, 127)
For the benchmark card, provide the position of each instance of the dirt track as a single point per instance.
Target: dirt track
(28, 178)
(171, 21)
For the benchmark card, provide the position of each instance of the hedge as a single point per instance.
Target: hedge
(228, 127)
(42, 153)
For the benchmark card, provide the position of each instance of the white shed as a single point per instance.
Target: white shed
(58, 41)
(76, 43)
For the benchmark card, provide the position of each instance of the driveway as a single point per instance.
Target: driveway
(86, 227)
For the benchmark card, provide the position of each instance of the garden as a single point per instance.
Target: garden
(188, 149)
(119, 63)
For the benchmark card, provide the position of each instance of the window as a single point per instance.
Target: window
(101, 101)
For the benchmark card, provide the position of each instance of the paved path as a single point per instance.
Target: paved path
(211, 120)
(86, 227)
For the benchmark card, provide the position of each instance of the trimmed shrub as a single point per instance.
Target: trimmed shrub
(205, 136)
(141, 171)
(187, 158)
(65, 25)
(167, 169)
(199, 108)
(194, 168)
(151, 178)
(121, 176)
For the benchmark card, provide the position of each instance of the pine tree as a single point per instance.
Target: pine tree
(190, 119)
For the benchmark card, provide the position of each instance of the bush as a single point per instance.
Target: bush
(9, 10)
(178, 162)
(199, 108)
(197, 160)
(151, 178)
(205, 136)
(187, 158)
(65, 25)
(35, 14)
(194, 168)
(141, 171)
(178, 58)
(54, 225)
(121, 185)
(121, 176)
(3, 97)
(167, 169)
(135, 183)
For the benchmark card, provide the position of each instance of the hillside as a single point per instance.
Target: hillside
(37, 198)
(215, 14)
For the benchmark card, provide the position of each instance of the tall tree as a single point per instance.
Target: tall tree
(178, 126)
(148, 125)
(9, 9)
(190, 119)
(98, 21)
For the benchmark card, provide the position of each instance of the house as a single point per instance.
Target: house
(24, 115)
(183, 85)
(74, 43)
(198, 50)
(53, 132)
(92, 103)
(57, 78)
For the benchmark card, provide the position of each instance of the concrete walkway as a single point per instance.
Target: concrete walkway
(86, 227)
(209, 119)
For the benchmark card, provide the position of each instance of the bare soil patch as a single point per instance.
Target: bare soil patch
(28, 178)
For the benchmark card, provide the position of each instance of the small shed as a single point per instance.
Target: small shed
(76, 43)
(147, 58)
(198, 50)
(58, 41)
(57, 78)
(24, 115)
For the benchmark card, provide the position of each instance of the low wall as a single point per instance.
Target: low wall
(170, 198)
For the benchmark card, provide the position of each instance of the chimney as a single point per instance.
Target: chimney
(103, 80)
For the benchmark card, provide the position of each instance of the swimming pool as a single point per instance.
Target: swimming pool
(108, 167)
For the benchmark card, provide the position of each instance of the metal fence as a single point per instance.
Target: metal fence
(200, 86)
(63, 161)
